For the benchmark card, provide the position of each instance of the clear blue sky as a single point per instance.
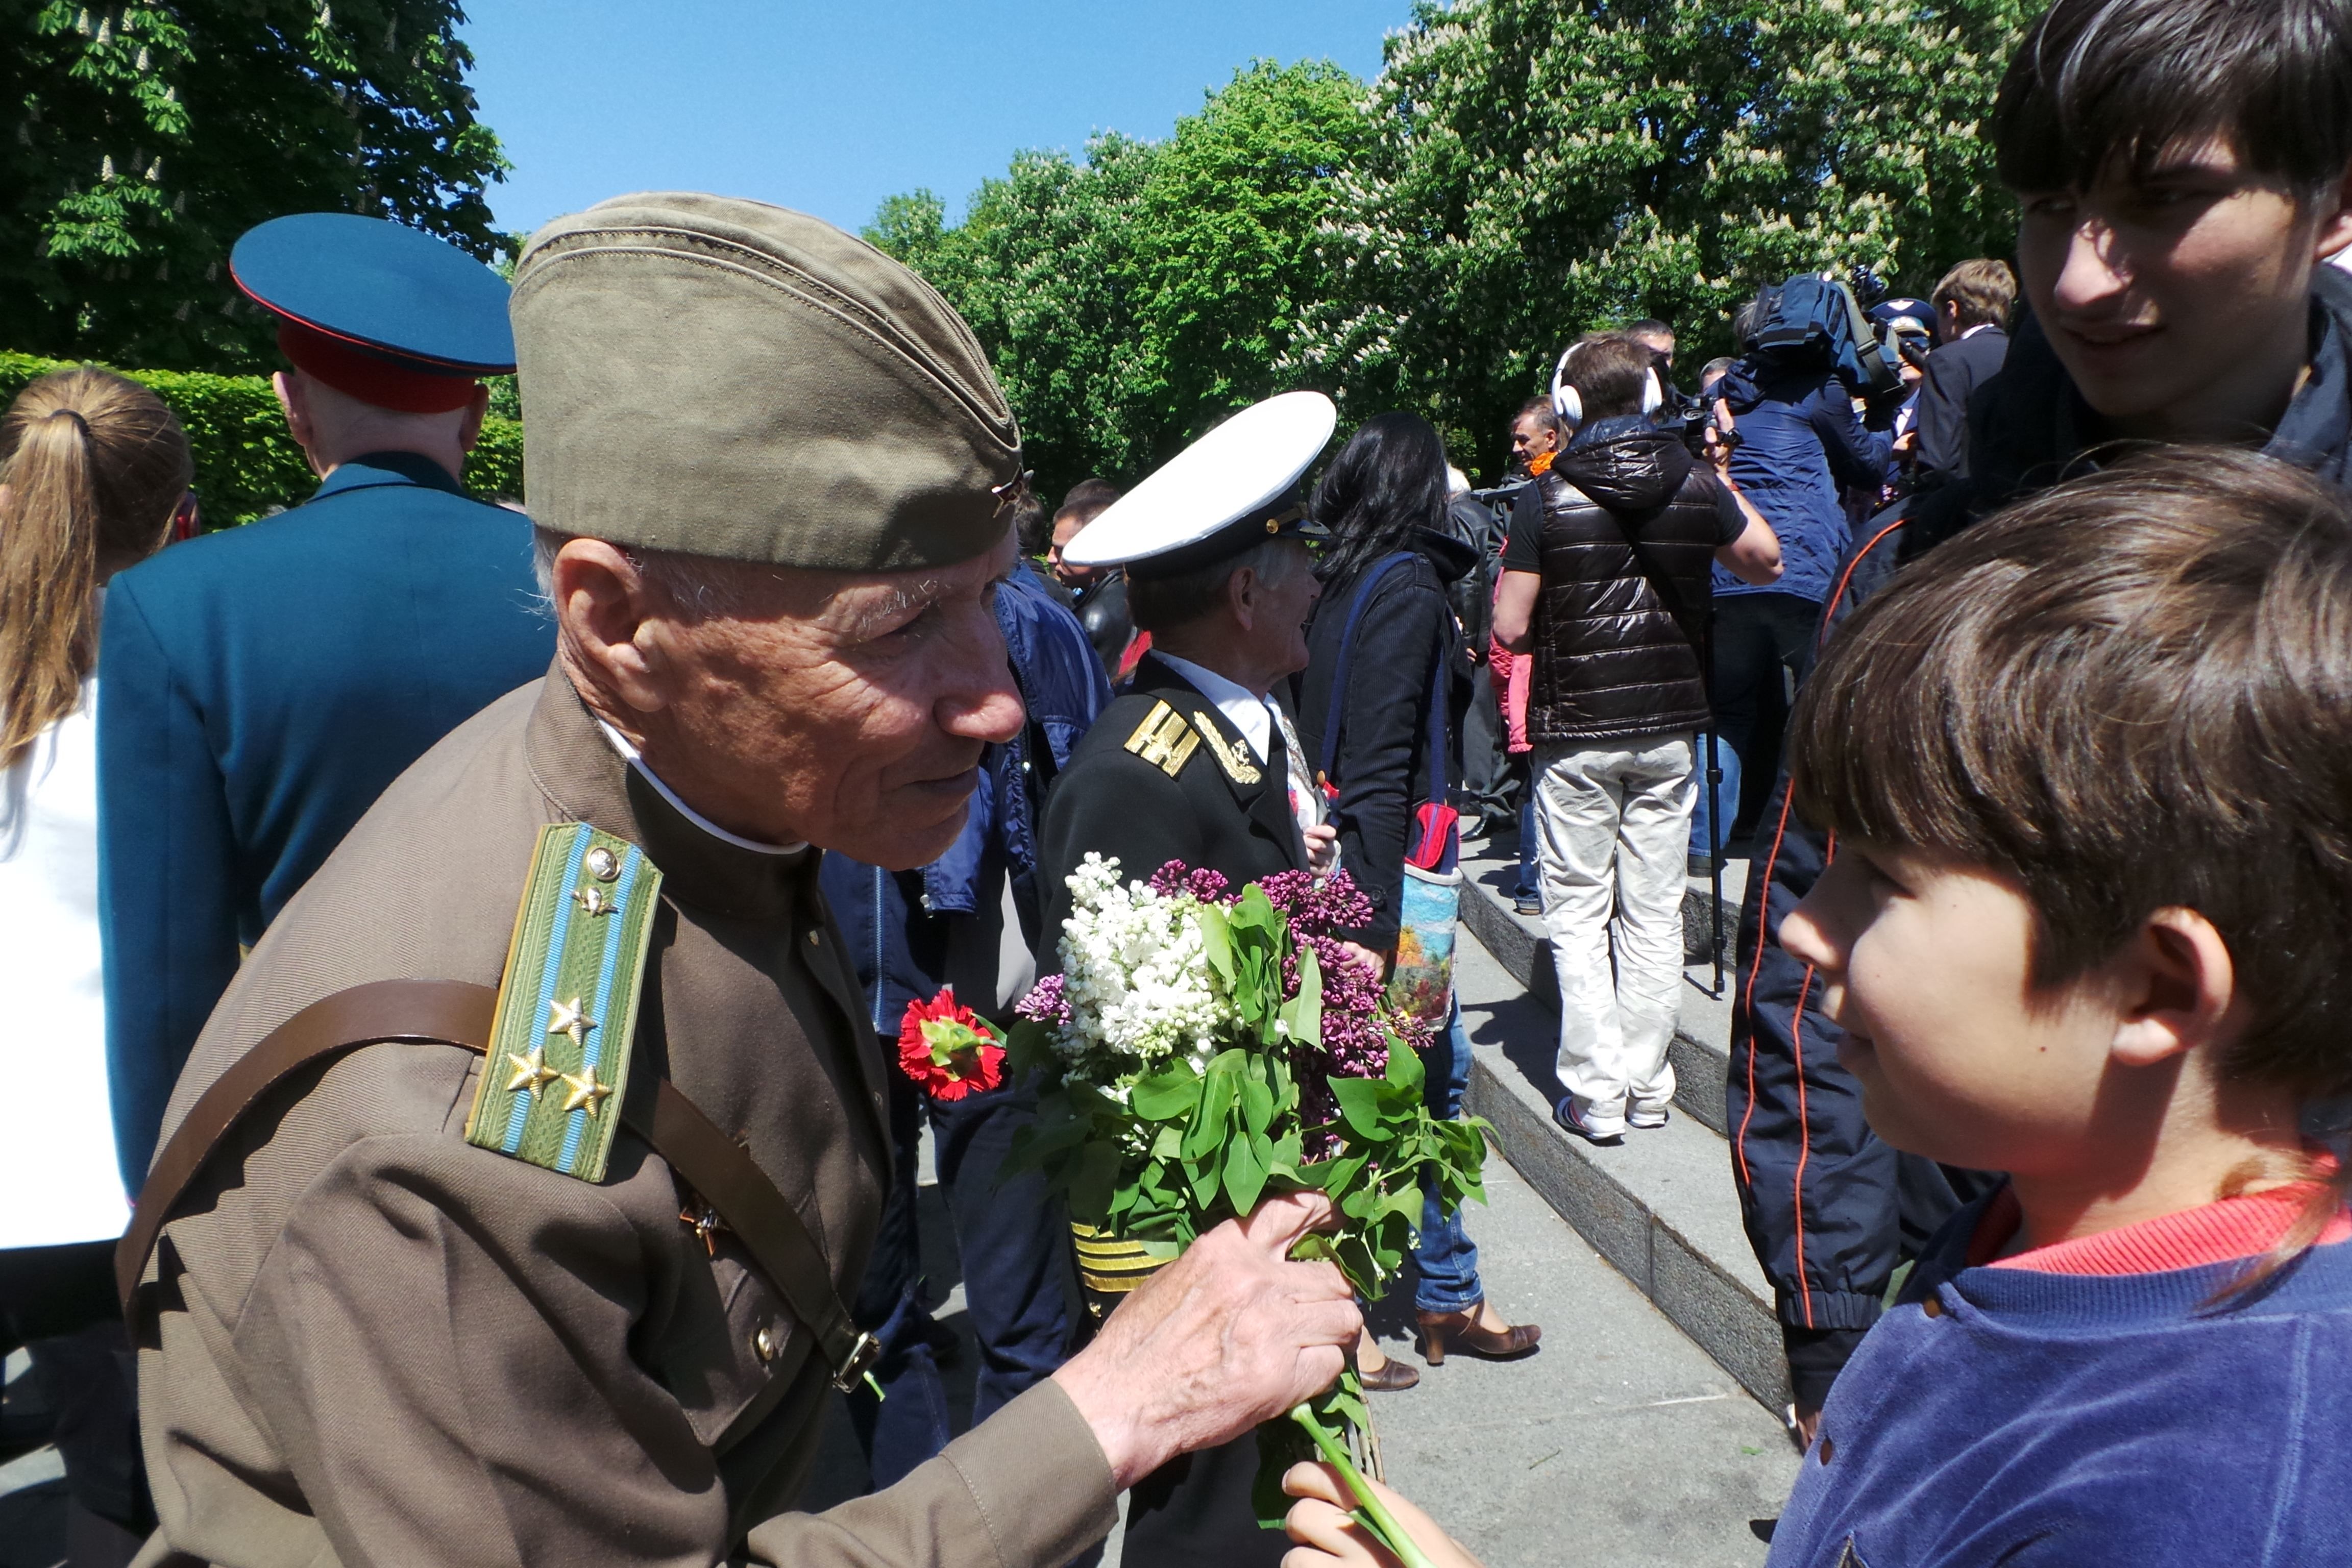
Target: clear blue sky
(830, 108)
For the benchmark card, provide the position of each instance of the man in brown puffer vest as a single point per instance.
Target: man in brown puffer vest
(1605, 581)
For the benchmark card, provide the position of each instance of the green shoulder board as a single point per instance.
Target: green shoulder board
(558, 1061)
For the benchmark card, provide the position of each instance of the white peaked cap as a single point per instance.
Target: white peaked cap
(1245, 467)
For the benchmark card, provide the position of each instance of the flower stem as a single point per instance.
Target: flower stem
(1372, 1512)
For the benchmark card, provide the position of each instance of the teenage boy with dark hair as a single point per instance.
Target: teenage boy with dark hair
(2182, 170)
(2090, 767)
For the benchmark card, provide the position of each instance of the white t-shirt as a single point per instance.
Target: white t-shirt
(60, 1181)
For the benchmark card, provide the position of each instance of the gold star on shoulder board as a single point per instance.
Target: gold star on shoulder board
(585, 1090)
(531, 1071)
(567, 1019)
(594, 901)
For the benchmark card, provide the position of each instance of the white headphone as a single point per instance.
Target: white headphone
(1570, 407)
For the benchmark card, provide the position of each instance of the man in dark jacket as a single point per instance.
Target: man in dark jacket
(1098, 593)
(1972, 305)
(2178, 297)
(1197, 761)
(1606, 581)
(1800, 445)
(971, 919)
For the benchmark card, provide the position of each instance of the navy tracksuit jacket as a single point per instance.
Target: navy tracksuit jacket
(1829, 1209)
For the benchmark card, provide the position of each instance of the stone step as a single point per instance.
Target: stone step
(1702, 1030)
(1660, 1206)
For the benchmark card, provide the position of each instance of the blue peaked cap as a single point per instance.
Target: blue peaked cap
(381, 286)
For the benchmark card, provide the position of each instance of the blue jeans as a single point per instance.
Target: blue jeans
(1447, 1259)
(1010, 1236)
(1530, 884)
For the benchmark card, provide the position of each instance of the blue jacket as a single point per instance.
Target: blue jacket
(1799, 442)
(898, 952)
(2043, 1419)
(261, 687)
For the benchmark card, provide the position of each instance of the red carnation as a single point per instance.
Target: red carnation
(949, 1051)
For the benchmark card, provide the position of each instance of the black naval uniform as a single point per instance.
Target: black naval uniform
(1163, 776)
(1149, 791)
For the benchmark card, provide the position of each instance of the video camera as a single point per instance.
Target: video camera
(1812, 322)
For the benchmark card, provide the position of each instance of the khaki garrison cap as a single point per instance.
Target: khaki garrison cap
(725, 378)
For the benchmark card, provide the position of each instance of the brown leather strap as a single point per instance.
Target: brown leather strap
(763, 1219)
(423, 1011)
(455, 1012)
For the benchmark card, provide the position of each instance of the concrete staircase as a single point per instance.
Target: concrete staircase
(1661, 1207)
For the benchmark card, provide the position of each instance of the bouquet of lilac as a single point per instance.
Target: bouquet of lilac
(1203, 1048)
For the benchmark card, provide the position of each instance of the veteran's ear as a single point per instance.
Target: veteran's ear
(611, 624)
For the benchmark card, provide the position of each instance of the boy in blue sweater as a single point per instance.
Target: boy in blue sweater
(2091, 764)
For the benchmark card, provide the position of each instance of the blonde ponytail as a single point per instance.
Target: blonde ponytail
(91, 467)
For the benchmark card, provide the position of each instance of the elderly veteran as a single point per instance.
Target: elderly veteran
(578, 1300)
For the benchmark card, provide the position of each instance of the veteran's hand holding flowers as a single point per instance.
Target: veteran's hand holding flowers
(1207, 1057)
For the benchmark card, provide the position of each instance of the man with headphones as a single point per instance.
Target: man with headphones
(1606, 583)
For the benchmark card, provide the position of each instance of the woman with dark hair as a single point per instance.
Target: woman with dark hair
(1383, 616)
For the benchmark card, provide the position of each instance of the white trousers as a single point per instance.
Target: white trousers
(1612, 828)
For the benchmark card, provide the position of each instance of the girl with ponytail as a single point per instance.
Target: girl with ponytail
(92, 468)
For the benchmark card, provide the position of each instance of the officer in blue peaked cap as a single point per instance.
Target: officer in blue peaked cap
(265, 683)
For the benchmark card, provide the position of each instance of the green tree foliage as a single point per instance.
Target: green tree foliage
(137, 142)
(1542, 167)
(1129, 299)
(1522, 171)
(247, 466)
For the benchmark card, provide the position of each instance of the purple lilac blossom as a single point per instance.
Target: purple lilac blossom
(1044, 1003)
(1174, 879)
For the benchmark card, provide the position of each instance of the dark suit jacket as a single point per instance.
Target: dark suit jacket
(260, 687)
(1114, 801)
(1954, 371)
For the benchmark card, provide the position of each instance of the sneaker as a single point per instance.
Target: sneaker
(1646, 1119)
(1527, 906)
(1565, 1114)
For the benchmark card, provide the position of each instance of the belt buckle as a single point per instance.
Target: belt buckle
(862, 1357)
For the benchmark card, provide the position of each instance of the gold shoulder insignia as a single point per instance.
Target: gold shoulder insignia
(1164, 740)
(1238, 768)
(568, 1004)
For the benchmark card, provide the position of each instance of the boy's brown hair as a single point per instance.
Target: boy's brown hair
(2130, 693)
(1983, 290)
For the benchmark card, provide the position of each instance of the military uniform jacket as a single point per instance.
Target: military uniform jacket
(1164, 776)
(263, 685)
(366, 1340)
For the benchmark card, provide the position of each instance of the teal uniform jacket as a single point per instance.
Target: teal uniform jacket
(259, 689)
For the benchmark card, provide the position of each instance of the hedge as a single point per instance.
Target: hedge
(247, 464)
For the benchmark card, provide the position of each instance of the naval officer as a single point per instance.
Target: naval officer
(265, 683)
(508, 1199)
(1198, 761)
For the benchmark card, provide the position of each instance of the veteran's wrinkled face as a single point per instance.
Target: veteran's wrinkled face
(848, 709)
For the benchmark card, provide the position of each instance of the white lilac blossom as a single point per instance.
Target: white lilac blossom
(1136, 979)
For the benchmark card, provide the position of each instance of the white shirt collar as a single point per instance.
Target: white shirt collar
(629, 754)
(1244, 710)
(1972, 332)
